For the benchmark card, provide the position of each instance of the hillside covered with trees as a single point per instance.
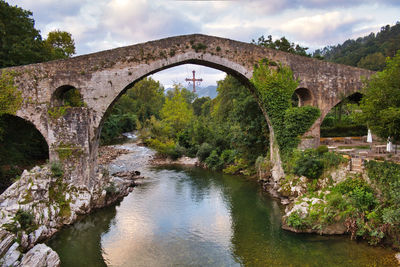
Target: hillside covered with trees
(367, 52)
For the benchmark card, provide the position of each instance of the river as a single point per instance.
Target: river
(186, 216)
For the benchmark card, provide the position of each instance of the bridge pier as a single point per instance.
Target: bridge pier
(311, 139)
(69, 144)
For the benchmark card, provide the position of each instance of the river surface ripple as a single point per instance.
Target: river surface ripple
(193, 217)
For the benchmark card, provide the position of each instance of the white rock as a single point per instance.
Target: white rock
(398, 257)
(38, 234)
(24, 240)
(40, 255)
(6, 243)
(12, 255)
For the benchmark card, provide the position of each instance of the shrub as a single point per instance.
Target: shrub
(335, 199)
(238, 166)
(228, 156)
(294, 220)
(166, 149)
(363, 199)
(350, 184)
(332, 160)
(23, 220)
(322, 149)
(309, 165)
(344, 130)
(111, 189)
(204, 151)
(57, 169)
(214, 161)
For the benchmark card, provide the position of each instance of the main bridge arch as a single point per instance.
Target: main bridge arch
(102, 77)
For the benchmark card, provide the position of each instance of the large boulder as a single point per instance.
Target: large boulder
(41, 256)
(12, 256)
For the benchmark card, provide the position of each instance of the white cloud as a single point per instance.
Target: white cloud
(327, 26)
(178, 75)
(104, 24)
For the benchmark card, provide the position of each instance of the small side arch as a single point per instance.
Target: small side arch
(305, 97)
(67, 95)
(22, 146)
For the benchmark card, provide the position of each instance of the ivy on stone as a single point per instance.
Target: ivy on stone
(10, 97)
(274, 87)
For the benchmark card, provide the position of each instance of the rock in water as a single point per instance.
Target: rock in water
(41, 256)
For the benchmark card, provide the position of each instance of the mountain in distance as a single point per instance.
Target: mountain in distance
(210, 91)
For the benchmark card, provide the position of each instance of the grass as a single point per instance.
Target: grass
(356, 147)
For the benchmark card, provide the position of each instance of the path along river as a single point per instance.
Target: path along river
(181, 216)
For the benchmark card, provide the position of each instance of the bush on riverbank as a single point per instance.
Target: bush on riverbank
(312, 163)
(369, 210)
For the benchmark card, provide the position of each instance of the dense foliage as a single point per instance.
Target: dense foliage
(22, 44)
(370, 210)
(275, 88)
(21, 147)
(366, 52)
(10, 97)
(133, 109)
(228, 132)
(381, 102)
(281, 44)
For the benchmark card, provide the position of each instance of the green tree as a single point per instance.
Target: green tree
(176, 111)
(241, 122)
(60, 44)
(198, 105)
(274, 89)
(281, 44)
(145, 99)
(381, 102)
(20, 42)
(375, 61)
(188, 95)
(365, 52)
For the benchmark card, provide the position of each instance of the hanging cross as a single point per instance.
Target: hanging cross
(194, 80)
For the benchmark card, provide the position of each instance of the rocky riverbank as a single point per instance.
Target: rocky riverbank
(185, 161)
(340, 202)
(42, 201)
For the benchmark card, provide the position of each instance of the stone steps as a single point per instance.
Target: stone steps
(356, 164)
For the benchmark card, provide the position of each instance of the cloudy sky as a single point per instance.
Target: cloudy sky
(103, 24)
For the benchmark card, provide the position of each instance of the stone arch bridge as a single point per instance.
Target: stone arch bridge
(73, 134)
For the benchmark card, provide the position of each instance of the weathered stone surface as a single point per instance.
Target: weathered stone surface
(41, 256)
(333, 229)
(127, 174)
(102, 77)
(181, 161)
(32, 193)
(6, 242)
(12, 256)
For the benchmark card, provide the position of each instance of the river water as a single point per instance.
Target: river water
(181, 216)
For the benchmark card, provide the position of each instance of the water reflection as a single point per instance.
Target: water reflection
(192, 217)
(80, 244)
